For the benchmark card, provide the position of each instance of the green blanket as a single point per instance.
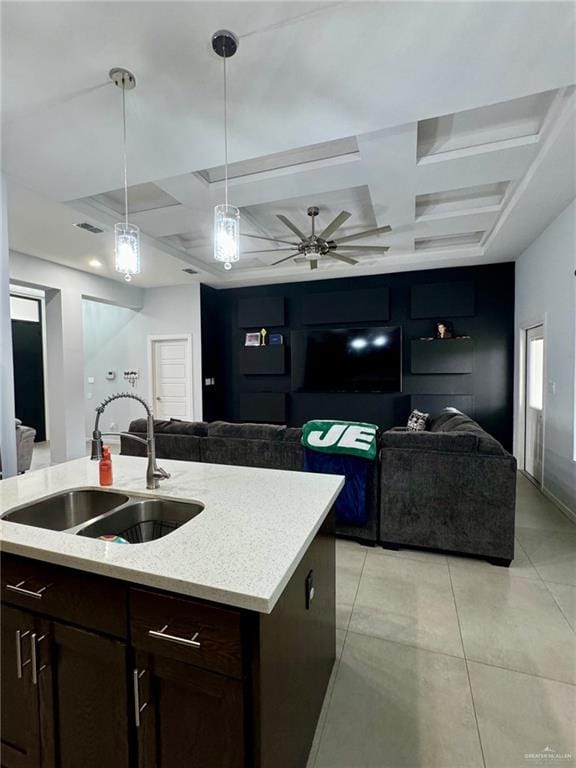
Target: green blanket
(354, 438)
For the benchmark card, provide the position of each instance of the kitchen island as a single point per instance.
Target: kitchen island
(211, 646)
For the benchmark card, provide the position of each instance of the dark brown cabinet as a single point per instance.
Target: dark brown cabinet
(99, 673)
(187, 716)
(90, 693)
(20, 705)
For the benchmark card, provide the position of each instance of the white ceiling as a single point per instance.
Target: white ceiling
(447, 120)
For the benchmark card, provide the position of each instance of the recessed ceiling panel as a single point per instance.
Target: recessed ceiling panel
(141, 198)
(278, 160)
(454, 201)
(498, 122)
(449, 241)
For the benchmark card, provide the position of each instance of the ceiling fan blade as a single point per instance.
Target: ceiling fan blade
(272, 239)
(367, 233)
(340, 257)
(338, 221)
(286, 258)
(382, 248)
(313, 264)
(267, 250)
(291, 226)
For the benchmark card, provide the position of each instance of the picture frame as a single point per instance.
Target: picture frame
(252, 340)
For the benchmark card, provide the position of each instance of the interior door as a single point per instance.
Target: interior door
(172, 376)
(28, 363)
(20, 708)
(534, 425)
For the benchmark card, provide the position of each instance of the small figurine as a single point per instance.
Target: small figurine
(443, 330)
(263, 333)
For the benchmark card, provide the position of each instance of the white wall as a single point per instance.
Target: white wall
(7, 415)
(545, 292)
(65, 289)
(116, 338)
(110, 344)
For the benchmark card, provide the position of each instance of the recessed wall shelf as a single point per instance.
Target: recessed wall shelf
(442, 300)
(263, 361)
(261, 312)
(364, 306)
(263, 406)
(442, 356)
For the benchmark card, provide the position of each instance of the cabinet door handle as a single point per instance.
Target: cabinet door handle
(34, 656)
(19, 589)
(19, 664)
(162, 635)
(138, 708)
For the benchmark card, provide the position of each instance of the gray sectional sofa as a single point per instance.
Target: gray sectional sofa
(250, 445)
(451, 487)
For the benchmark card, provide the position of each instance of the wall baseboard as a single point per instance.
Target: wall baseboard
(570, 513)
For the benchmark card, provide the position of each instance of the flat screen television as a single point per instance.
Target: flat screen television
(347, 360)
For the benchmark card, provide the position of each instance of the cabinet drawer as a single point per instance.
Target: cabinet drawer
(182, 629)
(94, 602)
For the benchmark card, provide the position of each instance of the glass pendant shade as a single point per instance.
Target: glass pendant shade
(127, 247)
(226, 234)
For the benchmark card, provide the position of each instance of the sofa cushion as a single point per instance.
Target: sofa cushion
(293, 435)
(246, 431)
(172, 427)
(456, 442)
(270, 454)
(437, 422)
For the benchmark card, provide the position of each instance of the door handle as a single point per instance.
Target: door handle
(19, 589)
(162, 635)
(138, 708)
(19, 664)
(34, 656)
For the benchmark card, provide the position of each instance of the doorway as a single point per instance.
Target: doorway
(28, 357)
(534, 403)
(170, 367)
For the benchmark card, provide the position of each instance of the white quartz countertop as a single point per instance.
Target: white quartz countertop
(241, 550)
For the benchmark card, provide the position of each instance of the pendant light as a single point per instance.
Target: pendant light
(126, 235)
(226, 217)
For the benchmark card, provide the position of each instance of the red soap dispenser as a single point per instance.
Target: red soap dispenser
(105, 467)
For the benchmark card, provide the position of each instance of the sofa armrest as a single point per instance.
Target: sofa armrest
(445, 442)
(25, 447)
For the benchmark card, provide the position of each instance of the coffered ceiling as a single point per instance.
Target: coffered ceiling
(453, 123)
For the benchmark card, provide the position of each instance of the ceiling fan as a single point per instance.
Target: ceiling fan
(313, 247)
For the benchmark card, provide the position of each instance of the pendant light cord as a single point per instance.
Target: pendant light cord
(225, 134)
(125, 151)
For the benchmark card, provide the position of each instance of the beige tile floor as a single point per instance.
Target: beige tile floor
(448, 662)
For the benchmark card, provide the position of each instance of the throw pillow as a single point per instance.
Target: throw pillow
(417, 421)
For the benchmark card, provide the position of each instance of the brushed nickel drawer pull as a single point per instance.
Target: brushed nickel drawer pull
(19, 589)
(162, 635)
(138, 709)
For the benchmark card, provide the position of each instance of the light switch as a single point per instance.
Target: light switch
(90, 379)
(551, 387)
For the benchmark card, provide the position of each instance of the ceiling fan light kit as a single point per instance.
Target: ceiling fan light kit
(314, 248)
(126, 235)
(226, 217)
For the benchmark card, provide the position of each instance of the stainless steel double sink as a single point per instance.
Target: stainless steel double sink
(94, 513)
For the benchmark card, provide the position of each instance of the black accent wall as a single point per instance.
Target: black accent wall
(473, 374)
